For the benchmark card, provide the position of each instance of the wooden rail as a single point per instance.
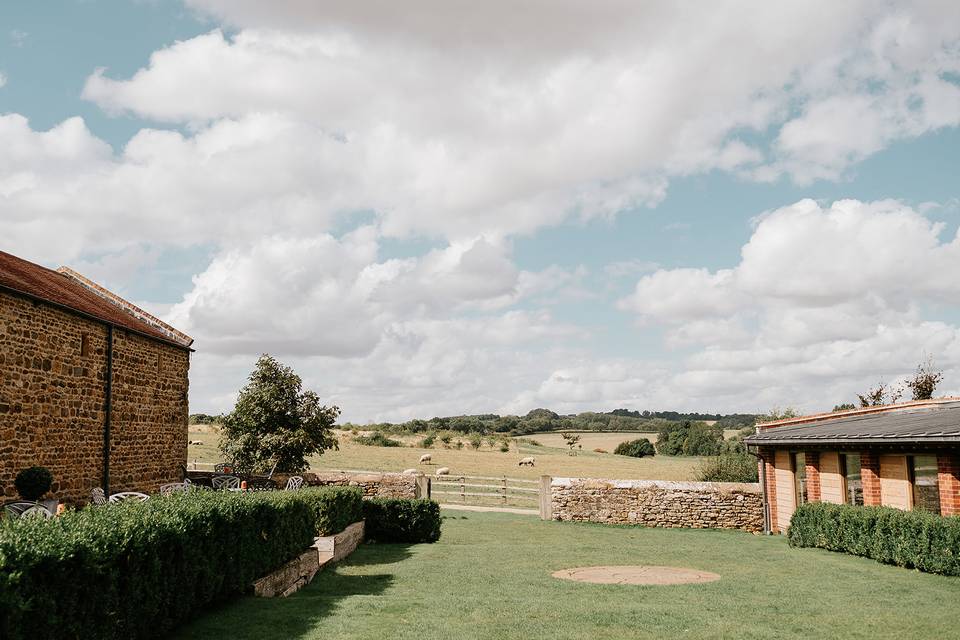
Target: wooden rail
(499, 488)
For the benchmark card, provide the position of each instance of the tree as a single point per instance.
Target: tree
(880, 396)
(571, 440)
(638, 448)
(925, 380)
(276, 423)
(846, 406)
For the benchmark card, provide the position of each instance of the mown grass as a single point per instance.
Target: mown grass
(489, 578)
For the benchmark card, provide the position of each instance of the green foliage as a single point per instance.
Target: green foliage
(476, 440)
(778, 414)
(203, 418)
(377, 439)
(914, 539)
(428, 441)
(33, 482)
(846, 406)
(689, 439)
(925, 380)
(728, 467)
(638, 448)
(398, 520)
(136, 570)
(571, 440)
(275, 422)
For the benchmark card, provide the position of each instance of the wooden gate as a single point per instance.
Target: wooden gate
(486, 491)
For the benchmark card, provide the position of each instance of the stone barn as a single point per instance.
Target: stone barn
(904, 455)
(91, 386)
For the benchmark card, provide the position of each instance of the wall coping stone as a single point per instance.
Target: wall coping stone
(668, 485)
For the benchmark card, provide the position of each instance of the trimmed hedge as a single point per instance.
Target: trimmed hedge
(136, 570)
(912, 539)
(401, 520)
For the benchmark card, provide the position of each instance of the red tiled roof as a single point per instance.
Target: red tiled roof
(48, 285)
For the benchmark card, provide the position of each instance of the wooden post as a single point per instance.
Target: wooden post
(504, 490)
(423, 487)
(546, 499)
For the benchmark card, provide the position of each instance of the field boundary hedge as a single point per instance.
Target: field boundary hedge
(913, 539)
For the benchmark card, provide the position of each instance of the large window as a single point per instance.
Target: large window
(850, 468)
(923, 475)
(800, 471)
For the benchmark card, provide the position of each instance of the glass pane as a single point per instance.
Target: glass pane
(851, 463)
(801, 475)
(926, 492)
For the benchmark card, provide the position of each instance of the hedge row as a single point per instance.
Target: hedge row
(913, 539)
(396, 520)
(136, 570)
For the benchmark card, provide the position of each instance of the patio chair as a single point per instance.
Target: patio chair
(123, 496)
(99, 497)
(225, 482)
(174, 487)
(17, 508)
(294, 483)
(37, 511)
(223, 467)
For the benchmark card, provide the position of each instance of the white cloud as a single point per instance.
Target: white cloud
(3, 80)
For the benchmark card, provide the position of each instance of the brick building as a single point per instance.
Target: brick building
(904, 455)
(91, 386)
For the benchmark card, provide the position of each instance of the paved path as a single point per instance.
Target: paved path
(470, 507)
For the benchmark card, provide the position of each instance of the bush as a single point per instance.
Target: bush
(638, 448)
(914, 539)
(428, 441)
(33, 482)
(398, 520)
(136, 570)
(728, 467)
(377, 439)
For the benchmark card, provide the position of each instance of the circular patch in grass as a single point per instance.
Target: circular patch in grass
(638, 574)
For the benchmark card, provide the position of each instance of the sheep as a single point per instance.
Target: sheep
(409, 472)
(426, 458)
(526, 461)
(195, 442)
(443, 471)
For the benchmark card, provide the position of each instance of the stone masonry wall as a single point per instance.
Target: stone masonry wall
(52, 368)
(655, 503)
(374, 485)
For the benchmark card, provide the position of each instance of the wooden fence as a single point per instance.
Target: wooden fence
(485, 490)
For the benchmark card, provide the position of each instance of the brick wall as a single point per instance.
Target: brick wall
(770, 475)
(52, 402)
(654, 503)
(948, 477)
(870, 478)
(812, 472)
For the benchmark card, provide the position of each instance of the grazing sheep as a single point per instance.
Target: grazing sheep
(410, 472)
(526, 461)
(426, 458)
(443, 471)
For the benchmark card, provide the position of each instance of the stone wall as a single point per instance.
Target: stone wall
(52, 371)
(374, 485)
(655, 503)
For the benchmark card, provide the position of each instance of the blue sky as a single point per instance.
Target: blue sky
(433, 213)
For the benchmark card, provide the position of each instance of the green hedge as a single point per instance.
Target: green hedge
(136, 570)
(913, 539)
(399, 520)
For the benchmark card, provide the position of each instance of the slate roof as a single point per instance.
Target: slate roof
(934, 422)
(21, 276)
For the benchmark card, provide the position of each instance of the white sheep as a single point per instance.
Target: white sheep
(526, 461)
(443, 471)
(410, 472)
(426, 458)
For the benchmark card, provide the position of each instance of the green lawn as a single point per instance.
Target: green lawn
(489, 578)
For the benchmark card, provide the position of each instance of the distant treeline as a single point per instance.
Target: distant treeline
(540, 420)
(203, 418)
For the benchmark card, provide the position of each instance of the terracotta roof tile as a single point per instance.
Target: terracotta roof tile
(45, 284)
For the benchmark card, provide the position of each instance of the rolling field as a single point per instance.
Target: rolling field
(551, 459)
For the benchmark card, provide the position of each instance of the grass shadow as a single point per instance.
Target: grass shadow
(377, 553)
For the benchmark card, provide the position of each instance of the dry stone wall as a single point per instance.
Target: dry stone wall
(655, 503)
(374, 485)
(52, 398)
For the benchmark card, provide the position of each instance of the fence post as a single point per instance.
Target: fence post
(546, 500)
(463, 489)
(423, 487)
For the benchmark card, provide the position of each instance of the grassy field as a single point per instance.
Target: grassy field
(487, 461)
(489, 578)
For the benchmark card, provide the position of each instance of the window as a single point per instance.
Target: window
(85, 345)
(923, 475)
(850, 468)
(800, 471)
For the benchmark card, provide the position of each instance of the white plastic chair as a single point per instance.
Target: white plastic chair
(37, 511)
(294, 483)
(19, 508)
(174, 487)
(129, 495)
(225, 482)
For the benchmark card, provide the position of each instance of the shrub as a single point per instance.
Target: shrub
(377, 439)
(33, 482)
(136, 570)
(728, 467)
(428, 440)
(476, 441)
(639, 448)
(399, 520)
(914, 539)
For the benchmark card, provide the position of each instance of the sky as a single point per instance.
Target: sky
(444, 207)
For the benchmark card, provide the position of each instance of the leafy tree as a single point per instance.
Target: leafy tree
(639, 448)
(275, 422)
(476, 441)
(703, 440)
(571, 439)
(671, 436)
(880, 396)
(778, 414)
(846, 406)
(925, 380)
